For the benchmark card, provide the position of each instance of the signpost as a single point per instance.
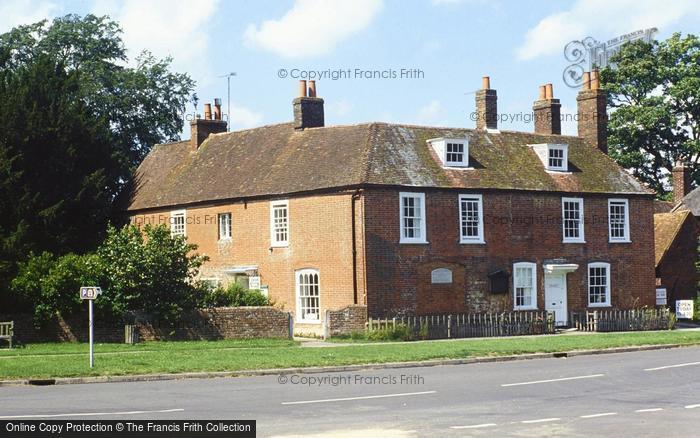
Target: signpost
(684, 309)
(89, 293)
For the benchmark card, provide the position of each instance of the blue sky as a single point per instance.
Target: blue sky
(454, 43)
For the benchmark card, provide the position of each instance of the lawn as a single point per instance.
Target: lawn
(70, 359)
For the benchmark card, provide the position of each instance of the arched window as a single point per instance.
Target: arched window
(308, 296)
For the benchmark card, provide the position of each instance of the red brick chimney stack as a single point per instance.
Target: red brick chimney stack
(308, 108)
(486, 106)
(547, 111)
(681, 181)
(200, 129)
(592, 112)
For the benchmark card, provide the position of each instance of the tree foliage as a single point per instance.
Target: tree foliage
(654, 93)
(77, 119)
(140, 271)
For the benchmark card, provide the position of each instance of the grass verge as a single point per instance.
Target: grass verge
(70, 360)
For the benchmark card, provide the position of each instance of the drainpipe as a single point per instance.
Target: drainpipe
(355, 196)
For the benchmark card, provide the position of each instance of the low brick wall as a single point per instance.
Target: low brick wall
(209, 324)
(346, 320)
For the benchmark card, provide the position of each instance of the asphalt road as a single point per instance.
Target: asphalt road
(642, 394)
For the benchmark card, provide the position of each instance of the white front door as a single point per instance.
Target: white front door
(555, 297)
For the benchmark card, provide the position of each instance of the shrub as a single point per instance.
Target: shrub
(400, 332)
(234, 295)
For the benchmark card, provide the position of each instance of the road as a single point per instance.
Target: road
(652, 393)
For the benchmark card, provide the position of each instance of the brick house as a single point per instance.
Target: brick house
(676, 233)
(409, 219)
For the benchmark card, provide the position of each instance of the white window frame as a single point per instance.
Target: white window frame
(581, 236)
(564, 157)
(299, 313)
(480, 227)
(626, 238)
(178, 214)
(533, 303)
(607, 302)
(543, 150)
(229, 232)
(440, 147)
(273, 230)
(422, 238)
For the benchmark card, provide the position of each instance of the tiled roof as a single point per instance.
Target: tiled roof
(666, 227)
(691, 202)
(662, 206)
(277, 160)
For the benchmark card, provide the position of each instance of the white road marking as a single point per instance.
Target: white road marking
(673, 366)
(553, 380)
(604, 414)
(541, 420)
(692, 406)
(649, 410)
(89, 414)
(475, 426)
(329, 400)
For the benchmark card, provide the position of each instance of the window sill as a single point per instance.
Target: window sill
(414, 242)
(308, 321)
(599, 305)
(525, 308)
(573, 241)
(620, 241)
(225, 239)
(472, 242)
(279, 245)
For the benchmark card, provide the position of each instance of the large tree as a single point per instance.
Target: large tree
(654, 94)
(76, 121)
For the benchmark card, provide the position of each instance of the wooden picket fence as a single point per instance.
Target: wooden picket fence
(470, 325)
(622, 320)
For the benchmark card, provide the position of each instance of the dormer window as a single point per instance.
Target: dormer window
(554, 157)
(453, 152)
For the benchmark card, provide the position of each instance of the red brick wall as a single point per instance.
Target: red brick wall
(210, 324)
(518, 227)
(320, 238)
(677, 269)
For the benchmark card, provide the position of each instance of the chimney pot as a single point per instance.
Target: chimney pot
(586, 80)
(595, 81)
(217, 109)
(312, 88)
(207, 111)
(549, 94)
(485, 83)
(302, 88)
(543, 93)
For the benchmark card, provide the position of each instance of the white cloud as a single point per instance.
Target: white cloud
(176, 28)
(18, 12)
(602, 20)
(312, 27)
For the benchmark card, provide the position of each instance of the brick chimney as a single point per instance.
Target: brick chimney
(486, 108)
(200, 129)
(308, 109)
(547, 112)
(681, 181)
(592, 112)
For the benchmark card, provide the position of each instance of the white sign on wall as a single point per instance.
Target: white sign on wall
(441, 275)
(661, 299)
(684, 309)
(254, 283)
